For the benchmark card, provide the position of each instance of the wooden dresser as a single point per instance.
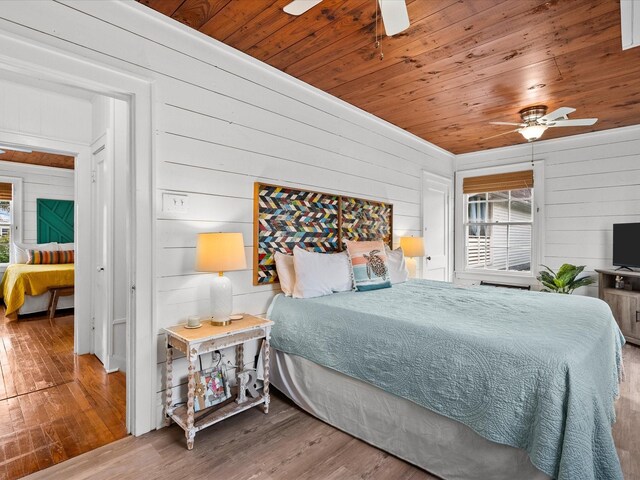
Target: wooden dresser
(625, 304)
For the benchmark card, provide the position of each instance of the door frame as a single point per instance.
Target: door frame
(17, 219)
(82, 334)
(37, 59)
(450, 224)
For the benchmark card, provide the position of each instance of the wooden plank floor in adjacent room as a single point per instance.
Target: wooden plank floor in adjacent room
(289, 444)
(54, 405)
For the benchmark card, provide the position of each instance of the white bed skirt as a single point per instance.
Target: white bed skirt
(435, 443)
(40, 303)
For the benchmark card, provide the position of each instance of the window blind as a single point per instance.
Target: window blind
(6, 191)
(498, 182)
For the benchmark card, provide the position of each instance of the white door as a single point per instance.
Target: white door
(436, 226)
(101, 233)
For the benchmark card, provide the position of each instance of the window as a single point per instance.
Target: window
(499, 222)
(6, 196)
(10, 217)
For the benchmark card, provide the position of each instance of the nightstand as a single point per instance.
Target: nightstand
(206, 339)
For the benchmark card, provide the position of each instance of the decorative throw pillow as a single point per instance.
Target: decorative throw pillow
(369, 264)
(66, 256)
(286, 272)
(319, 274)
(398, 272)
(43, 257)
(21, 250)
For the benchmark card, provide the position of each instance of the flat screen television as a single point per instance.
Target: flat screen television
(626, 244)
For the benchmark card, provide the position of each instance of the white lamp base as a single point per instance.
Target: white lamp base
(221, 300)
(412, 266)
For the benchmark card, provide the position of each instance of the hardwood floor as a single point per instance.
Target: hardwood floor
(290, 444)
(54, 405)
(626, 431)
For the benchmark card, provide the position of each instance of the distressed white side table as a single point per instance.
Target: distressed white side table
(206, 339)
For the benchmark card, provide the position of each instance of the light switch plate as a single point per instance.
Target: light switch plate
(175, 203)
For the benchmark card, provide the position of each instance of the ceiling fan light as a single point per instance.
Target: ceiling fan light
(532, 132)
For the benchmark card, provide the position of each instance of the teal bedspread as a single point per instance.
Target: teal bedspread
(538, 371)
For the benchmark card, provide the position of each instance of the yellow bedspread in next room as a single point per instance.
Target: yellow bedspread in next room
(21, 279)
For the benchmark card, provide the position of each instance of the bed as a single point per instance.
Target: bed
(464, 382)
(25, 287)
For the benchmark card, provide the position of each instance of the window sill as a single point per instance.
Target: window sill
(512, 278)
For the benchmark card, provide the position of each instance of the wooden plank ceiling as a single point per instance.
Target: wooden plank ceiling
(461, 64)
(38, 158)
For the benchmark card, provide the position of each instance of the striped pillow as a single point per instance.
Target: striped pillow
(38, 257)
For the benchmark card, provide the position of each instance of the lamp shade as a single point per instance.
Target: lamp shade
(412, 246)
(532, 132)
(220, 252)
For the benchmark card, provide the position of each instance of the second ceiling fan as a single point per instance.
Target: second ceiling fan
(536, 120)
(394, 13)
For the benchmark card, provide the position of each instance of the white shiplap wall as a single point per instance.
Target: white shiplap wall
(34, 112)
(224, 121)
(591, 182)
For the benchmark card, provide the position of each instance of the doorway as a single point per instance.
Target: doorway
(35, 59)
(67, 399)
(437, 226)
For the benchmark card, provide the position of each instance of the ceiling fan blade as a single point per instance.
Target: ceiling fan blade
(509, 123)
(500, 134)
(298, 7)
(556, 114)
(394, 16)
(578, 122)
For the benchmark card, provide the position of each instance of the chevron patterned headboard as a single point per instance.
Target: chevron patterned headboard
(54, 220)
(285, 217)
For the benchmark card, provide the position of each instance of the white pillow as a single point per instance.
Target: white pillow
(286, 272)
(20, 254)
(398, 272)
(319, 274)
(63, 247)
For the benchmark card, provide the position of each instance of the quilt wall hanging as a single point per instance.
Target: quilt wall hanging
(54, 220)
(286, 216)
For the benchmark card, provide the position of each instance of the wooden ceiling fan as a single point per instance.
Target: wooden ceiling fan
(536, 120)
(394, 13)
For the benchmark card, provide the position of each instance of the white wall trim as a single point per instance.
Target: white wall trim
(47, 62)
(630, 23)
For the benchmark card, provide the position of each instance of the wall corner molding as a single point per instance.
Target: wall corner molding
(630, 23)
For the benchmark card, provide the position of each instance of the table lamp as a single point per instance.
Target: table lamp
(220, 252)
(412, 247)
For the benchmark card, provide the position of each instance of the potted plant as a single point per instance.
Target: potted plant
(565, 280)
